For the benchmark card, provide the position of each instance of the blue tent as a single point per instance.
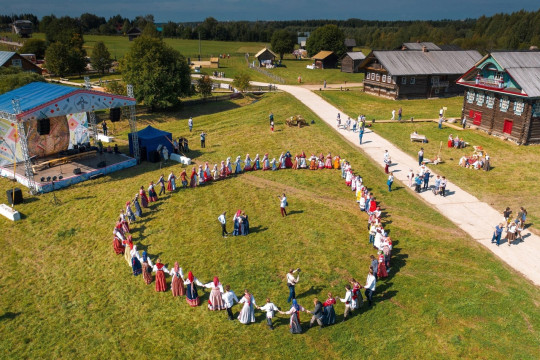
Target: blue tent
(150, 138)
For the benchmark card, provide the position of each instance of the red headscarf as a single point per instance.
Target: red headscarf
(216, 281)
(190, 277)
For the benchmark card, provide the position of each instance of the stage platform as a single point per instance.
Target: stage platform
(89, 168)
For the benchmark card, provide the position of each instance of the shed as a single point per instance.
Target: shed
(133, 33)
(350, 44)
(149, 140)
(266, 56)
(325, 60)
(351, 62)
(10, 58)
(214, 62)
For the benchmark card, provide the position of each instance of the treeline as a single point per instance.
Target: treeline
(518, 30)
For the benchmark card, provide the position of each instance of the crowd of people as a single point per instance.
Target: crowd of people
(222, 297)
(513, 226)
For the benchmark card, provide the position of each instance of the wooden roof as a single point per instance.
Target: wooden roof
(356, 55)
(523, 67)
(322, 55)
(263, 50)
(350, 42)
(419, 46)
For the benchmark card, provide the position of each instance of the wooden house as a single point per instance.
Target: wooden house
(265, 56)
(12, 59)
(400, 74)
(23, 28)
(503, 95)
(350, 44)
(351, 61)
(133, 33)
(325, 60)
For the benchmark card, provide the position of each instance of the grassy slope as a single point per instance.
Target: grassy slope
(512, 182)
(66, 295)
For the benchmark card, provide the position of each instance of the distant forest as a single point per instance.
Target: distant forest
(518, 30)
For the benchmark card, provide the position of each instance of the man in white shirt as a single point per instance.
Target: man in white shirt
(348, 302)
(269, 307)
(443, 186)
(229, 297)
(291, 282)
(283, 204)
(393, 114)
(370, 286)
(221, 218)
(190, 124)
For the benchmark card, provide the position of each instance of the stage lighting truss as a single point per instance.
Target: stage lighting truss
(133, 126)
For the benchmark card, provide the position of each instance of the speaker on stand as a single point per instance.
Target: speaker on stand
(44, 126)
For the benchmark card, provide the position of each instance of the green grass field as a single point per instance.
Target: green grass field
(510, 183)
(65, 294)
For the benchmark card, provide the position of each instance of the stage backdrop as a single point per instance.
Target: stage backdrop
(66, 131)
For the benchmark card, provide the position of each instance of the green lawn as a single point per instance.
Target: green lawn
(65, 294)
(357, 102)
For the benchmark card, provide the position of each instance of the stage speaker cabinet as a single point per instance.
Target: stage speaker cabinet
(44, 126)
(115, 114)
(77, 171)
(101, 164)
(14, 196)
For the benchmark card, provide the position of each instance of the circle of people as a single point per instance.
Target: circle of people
(222, 297)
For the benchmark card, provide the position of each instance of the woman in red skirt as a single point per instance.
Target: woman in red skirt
(177, 282)
(117, 246)
(144, 198)
(381, 269)
(146, 268)
(160, 270)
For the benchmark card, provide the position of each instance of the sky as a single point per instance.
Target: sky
(223, 10)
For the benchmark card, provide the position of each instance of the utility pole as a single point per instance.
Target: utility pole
(199, 45)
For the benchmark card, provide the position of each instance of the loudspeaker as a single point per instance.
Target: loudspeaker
(114, 114)
(77, 171)
(14, 197)
(101, 164)
(44, 126)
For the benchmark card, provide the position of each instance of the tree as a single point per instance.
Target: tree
(150, 31)
(126, 26)
(65, 30)
(328, 37)
(204, 85)
(91, 22)
(116, 87)
(101, 57)
(241, 81)
(61, 60)
(282, 42)
(169, 29)
(34, 46)
(12, 78)
(159, 74)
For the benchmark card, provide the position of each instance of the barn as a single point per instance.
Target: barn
(503, 95)
(351, 61)
(325, 60)
(350, 44)
(133, 33)
(265, 56)
(12, 59)
(398, 74)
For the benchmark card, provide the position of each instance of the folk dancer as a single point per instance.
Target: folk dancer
(144, 198)
(256, 163)
(329, 314)
(229, 297)
(193, 179)
(192, 296)
(201, 175)
(160, 270)
(215, 300)
(270, 308)
(247, 314)
(152, 195)
(177, 282)
(294, 325)
(238, 165)
(161, 182)
(147, 267)
(347, 300)
(138, 210)
(265, 162)
(171, 182)
(317, 314)
(183, 178)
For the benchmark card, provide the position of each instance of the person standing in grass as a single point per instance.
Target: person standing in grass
(347, 300)
(171, 182)
(160, 270)
(497, 234)
(317, 314)
(138, 210)
(393, 114)
(294, 324)
(183, 178)
(370, 286)
(291, 283)
(223, 221)
(247, 314)
(190, 124)
(203, 139)
(283, 204)
(270, 308)
(229, 297)
(400, 112)
(390, 181)
(420, 156)
(192, 296)
(161, 182)
(147, 268)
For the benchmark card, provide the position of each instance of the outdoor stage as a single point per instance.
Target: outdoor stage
(89, 169)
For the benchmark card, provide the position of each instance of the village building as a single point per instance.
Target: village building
(350, 44)
(419, 46)
(23, 28)
(350, 63)
(133, 33)
(265, 57)
(503, 95)
(325, 60)
(397, 74)
(12, 59)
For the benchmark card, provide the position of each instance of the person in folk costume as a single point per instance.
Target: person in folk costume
(313, 162)
(207, 174)
(215, 300)
(348, 302)
(337, 162)
(223, 170)
(281, 160)
(294, 324)
(215, 173)
(387, 250)
(328, 162)
(144, 198)
(183, 178)
(118, 231)
(381, 269)
(125, 225)
(177, 282)
(247, 162)
(256, 163)
(228, 165)
(303, 163)
(171, 182)
(295, 163)
(238, 165)
(128, 246)
(343, 167)
(192, 296)
(160, 270)
(320, 161)
(201, 175)
(193, 179)
(450, 141)
(357, 300)
(152, 195)
(136, 261)
(353, 183)
(329, 314)
(161, 182)
(229, 297)
(348, 177)
(288, 160)
(138, 210)
(245, 222)
(265, 162)
(117, 245)
(269, 308)
(247, 314)
(130, 216)
(273, 163)
(147, 268)
(236, 225)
